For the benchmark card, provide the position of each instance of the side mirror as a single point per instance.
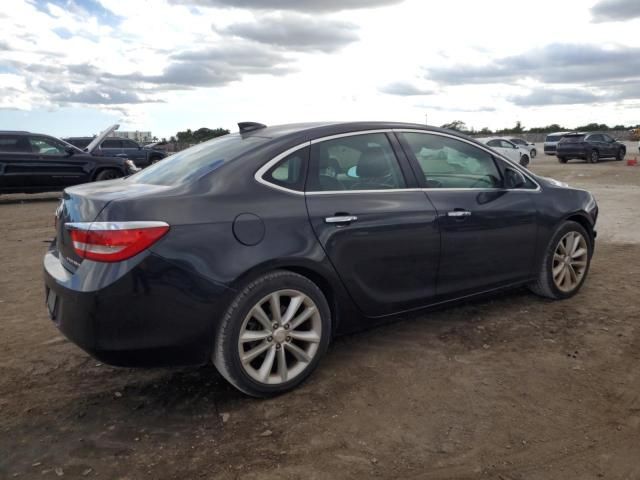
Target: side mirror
(513, 179)
(70, 151)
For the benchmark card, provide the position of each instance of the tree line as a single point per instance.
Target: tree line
(191, 137)
(460, 126)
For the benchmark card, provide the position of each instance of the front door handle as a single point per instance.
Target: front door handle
(341, 219)
(459, 213)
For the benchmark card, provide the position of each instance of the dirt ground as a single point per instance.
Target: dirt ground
(513, 387)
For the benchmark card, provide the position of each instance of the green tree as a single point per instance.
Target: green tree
(457, 125)
(593, 127)
(189, 137)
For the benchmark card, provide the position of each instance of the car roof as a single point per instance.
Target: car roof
(557, 133)
(309, 131)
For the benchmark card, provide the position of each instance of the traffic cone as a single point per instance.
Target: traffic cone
(634, 162)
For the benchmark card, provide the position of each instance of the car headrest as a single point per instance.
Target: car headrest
(372, 163)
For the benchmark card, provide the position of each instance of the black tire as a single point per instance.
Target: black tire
(594, 156)
(108, 174)
(534, 152)
(524, 160)
(562, 159)
(544, 284)
(226, 353)
(621, 153)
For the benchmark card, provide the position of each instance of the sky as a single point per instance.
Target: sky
(73, 67)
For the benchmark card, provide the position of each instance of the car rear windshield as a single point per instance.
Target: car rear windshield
(553, 138)
(197, 161)
(572, 139)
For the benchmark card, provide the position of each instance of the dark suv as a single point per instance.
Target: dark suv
(590, 147)
(122, 147)
(32, 162)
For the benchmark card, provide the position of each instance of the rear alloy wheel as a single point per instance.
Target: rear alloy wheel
(273, 335)
(534, 152)
(524, 160)
(108, 174)
(594, 156)
(621, 153)
(565, 264)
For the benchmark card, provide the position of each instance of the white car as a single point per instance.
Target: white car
(521, 142)
(513, 152)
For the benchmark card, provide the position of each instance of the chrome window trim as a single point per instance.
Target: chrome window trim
(258, 176)
(351, 134)
(267, 166)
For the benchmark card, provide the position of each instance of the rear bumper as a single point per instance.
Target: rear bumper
(572, 153)
(142, 312)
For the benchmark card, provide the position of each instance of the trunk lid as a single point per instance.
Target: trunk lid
(83, 203)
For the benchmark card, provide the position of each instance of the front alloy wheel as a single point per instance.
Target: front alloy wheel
(273, 334)
(566, 262)
(570, 261)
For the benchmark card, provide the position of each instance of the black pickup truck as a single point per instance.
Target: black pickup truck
(590, 147)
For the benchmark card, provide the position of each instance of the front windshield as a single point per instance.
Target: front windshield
(194, 162)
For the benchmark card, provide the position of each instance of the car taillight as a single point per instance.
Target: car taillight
(114, 241)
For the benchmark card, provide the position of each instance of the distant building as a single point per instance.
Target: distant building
(140, 137)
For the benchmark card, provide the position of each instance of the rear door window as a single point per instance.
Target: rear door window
(15, 144)
(450, 163)
(354, 162)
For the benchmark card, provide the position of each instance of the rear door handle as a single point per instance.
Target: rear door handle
(459, 213)
(341, 219)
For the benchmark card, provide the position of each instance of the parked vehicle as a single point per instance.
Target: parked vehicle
(253, 250)
(590, 147)
(513, 152)
(122, 147)
(521, 142)
(33, 162)
(551, 141)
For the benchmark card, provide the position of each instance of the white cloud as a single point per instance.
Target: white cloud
(167, 65)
